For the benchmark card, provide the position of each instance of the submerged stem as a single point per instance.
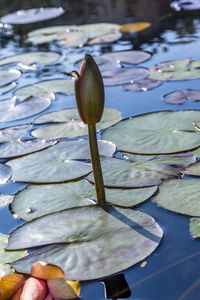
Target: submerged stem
(98, 177)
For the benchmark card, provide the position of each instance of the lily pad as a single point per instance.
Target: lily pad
(120, 76)
(185, 5)
(134, 27)
(71, 125)
(7, 88)
(38, 200)
(17, 148)
(181, 196)
(142, 85)
(46, 89)
(185, 69)
(5, 200)
(106, 240)
(50, 165)
(8, 76)
(104, 39)
(5, 173)
(7, 256)
(13, 133)
(132, 57)
(32, 15)
(193, 170)
(195, 227)
(30, 58)
(178, 97)
(156, 133)
(30, 107)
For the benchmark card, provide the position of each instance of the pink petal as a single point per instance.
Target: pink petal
(34, 289)
(49, 297)
(17, 295)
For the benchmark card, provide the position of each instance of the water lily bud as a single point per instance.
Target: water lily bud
(34, 289)
(89, 91)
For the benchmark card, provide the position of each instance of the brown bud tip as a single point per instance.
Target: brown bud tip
(89, 91)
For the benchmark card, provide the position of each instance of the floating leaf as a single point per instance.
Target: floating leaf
(178, 97)
(134, 27)
(8, 76)
(38, 200)
(13, 133)
(7, 256)
(194, 169)
(74, 39)
(46, 89)
(195, 227)
(105, 240)
(50, 165)
(156, 133)
(133, 57)
(142, 85)
(5, 200)
(7, 88)
(30, 58)
(106, 38)
(5, 173)
(72, 125)
(185, 69)
(30, 107)
(181, 196)
(185, 5)
(32, 15)
(120, 76)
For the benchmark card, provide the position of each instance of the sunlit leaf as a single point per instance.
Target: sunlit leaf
(8, 76)
(46, 89)
(106, 240)
(181, 196)
(176, 70)
(130, 57)
(38, 200)
(142, 85)
(195, 227)
(5, 200)
(13, 133)
(178, 97)
(185, 5)
(134, 27)
(32, 15)
(7, 88)
(50, 165)
(74, 39)
(156, 133)
(71, 125)
(194, 169)
(5, 173)
(106, 38)
(30, 58)
(64, 289)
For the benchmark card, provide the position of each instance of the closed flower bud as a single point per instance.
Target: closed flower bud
(89, 91)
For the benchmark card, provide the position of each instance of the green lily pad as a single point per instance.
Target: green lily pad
(129, 57)
(71, 126)
(181, 196)
(30, 58)
(46, 89)
(103, 240)
(7, 88)
(5, 173)
(7, 256)
(193, 170)
(104, 39)
(8, 76)
(156, 133)
(178, 97)
(5, 200)
(38, 200)
(13, 133)
(120, 76)
(32, 106)
(185, 69)
(195, 227)
(142, 85)
(50, 165)
(196, 152)
(32, 15)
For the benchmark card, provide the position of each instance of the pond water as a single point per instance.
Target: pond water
(172, 270)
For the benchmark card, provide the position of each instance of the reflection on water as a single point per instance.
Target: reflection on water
(172, 271)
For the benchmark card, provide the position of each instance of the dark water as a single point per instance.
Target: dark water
(172, 271)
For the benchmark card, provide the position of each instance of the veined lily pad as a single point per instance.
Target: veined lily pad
(71, 125)
(195, 227)
(7, 88)
(5, 173)
(176, 70)
(120, 76)
(38, 200)
(8, 76)
(134, 27)
(30, 58)
(5, 200)
(142, 85)
(50, 165)
(181, 196)
(178, 97)
(193, 170)
(106, 240)
(13, 133)
(129, 57)
(7, 256)
(46, 89)
(32, 15)
(156, 133)
(29, 108)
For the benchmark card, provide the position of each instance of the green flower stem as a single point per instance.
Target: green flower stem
(98, 178)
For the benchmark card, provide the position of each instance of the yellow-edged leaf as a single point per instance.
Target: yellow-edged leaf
(64, 289)
(9, 284)
(46, 271)
(134, 27)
